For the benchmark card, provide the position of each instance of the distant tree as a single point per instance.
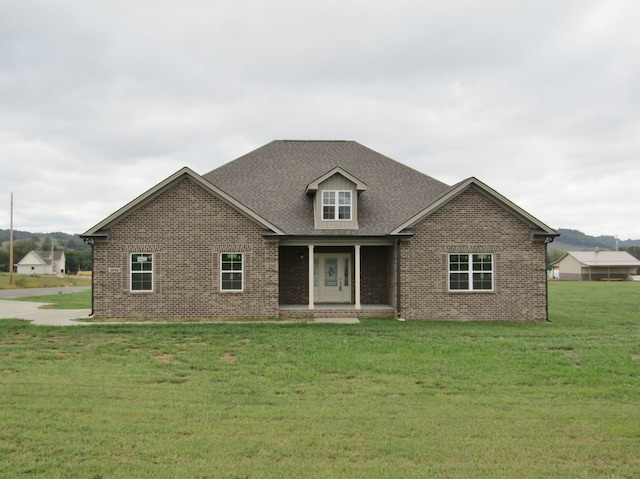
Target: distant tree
(46, 244)
(76, 243)
(553, 255)
(632, 250)
(22, 247)
(4, 260)
(78, 260)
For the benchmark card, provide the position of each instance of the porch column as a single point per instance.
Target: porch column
(357, 276)
(311, 299)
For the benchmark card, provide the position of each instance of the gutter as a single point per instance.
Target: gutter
(89, 241)
(398, 276)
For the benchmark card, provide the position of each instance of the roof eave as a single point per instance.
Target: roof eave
(96, 231)
(542, 230)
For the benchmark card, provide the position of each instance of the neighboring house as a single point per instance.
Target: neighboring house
(595, 266)
(320, 229)
(42, 262)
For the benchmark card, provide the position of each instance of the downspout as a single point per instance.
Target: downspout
(398, 295)
(89, 241)
(546, 281)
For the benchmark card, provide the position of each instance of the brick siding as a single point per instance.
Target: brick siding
(473, 223)
(294, 275)
(186, 228)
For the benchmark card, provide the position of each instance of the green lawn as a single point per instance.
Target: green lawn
(81, 300)
(42, 281)
(379, 399)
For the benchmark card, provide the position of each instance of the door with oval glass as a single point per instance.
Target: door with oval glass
(332, 277)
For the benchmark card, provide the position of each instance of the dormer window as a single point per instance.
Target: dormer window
(335, 200)
(336, 205)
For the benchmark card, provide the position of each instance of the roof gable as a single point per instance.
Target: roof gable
(314, 185)
(32, 257)
(540, 228)
(162, 186)
(41, 257)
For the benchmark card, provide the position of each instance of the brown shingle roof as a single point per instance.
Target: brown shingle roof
(271, 181)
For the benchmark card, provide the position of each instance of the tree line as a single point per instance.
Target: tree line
(76, 252)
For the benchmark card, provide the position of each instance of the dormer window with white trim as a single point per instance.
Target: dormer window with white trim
(335, 200)
(336, 205)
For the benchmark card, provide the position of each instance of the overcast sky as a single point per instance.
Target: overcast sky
(540, 99)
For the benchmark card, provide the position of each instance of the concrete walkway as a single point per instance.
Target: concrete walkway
(38, 315)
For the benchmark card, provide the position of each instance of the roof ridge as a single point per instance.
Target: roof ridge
(316, 141)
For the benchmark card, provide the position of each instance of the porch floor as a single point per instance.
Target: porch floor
(325, 310)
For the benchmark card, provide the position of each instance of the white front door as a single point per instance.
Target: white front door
(332, 277)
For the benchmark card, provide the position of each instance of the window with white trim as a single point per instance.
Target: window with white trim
(336, 205)
(141, 271)
(471, 272)
(231, 272)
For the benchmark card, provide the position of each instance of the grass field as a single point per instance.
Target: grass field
(42, 281)
(80, 300)
(379, 399)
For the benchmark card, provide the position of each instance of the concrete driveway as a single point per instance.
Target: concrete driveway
(37, 313)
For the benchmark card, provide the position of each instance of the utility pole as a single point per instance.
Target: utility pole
(11, 245)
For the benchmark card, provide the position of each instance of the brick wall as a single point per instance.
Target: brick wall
(294, 275)
(473, 223)
(374, 277)
(186, 228)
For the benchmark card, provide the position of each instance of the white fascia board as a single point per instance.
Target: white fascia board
(163, 185)
(460, 188)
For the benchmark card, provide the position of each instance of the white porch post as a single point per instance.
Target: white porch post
(357, 276)
(311, 299)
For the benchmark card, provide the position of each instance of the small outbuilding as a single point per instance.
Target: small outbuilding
(595, 266)
(42, 262)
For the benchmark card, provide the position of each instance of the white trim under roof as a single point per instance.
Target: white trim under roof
(456, 190)
(163, 185)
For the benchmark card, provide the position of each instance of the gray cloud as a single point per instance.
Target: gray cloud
(101, 100)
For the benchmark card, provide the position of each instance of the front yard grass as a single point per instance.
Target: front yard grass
(78, 300)
(42, 281)
(379, 399)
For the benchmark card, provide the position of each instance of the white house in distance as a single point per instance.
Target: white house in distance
(42, 262)
(595, 266)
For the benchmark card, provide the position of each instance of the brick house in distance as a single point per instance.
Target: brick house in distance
(320, 229)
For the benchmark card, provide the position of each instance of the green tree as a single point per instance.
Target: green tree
(4, 260)
(46, 244)
(22, 247)
(78, 260)
(553, 255)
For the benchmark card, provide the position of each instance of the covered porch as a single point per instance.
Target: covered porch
(337, 278)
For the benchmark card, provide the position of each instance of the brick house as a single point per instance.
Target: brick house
(319, 229)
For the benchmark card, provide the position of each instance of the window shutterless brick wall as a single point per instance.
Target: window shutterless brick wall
(375, 274)
(473, 223)
(294, 274)
(186, 227)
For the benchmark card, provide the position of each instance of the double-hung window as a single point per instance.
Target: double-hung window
(471, 272)
(231, 271)
(336, 205)
(141, 271)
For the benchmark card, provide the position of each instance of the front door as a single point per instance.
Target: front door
(332, 277)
